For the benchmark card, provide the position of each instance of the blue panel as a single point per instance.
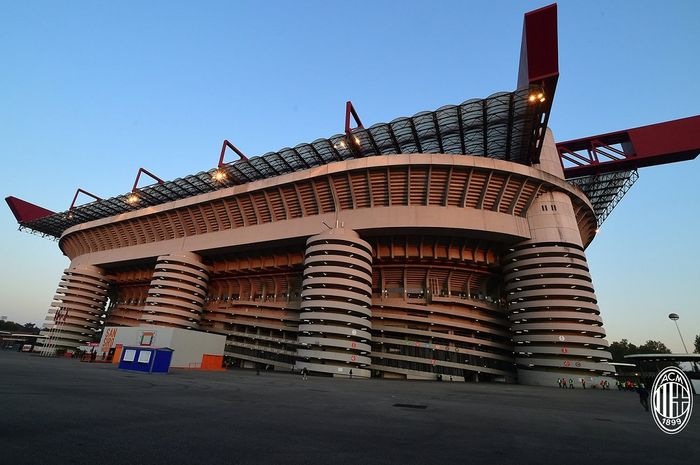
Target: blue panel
(135, 365)
(161, 364)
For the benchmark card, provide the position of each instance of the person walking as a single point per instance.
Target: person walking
(559, 382)
(304, 371)
(571, 383)
(643, 396)
(350, 373)
(583, 383)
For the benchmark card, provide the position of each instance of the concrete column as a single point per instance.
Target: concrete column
(177, 293)
(555, 321)
(77, 308)
(335, 318)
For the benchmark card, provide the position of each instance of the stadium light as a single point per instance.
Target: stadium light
(219, 175)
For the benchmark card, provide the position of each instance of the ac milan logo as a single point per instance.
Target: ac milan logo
(671, 400)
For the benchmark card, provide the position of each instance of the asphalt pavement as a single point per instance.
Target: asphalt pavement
(60, 411)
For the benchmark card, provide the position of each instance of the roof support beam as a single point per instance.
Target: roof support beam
(415, 135)
(539, 71)
(460, 123)
(352, 140)
(77, 192)
(229, 145)
(484, 129)
(438, 136)
(148, 173)
(655, 144)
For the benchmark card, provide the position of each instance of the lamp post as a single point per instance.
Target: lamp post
(675, 317)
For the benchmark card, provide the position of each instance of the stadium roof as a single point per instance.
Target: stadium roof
(496, 127)
(507, 126)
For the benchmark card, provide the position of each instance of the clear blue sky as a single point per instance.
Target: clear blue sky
(90, 91)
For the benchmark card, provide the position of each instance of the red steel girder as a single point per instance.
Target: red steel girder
(651, 145)
(235, 149)
(539, 71)
(149, 174)
(353, 141)
(78, 192)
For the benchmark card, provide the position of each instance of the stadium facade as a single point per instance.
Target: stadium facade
(448, 244)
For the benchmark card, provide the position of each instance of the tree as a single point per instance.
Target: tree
(13, 327)
(697, 344)
(618, 350)
(653, 347)
(9, 326)
(30, 328)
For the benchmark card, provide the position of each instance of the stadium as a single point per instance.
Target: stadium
(450, 244)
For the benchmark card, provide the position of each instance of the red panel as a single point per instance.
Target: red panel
(678, 136)
(539, 53)
(25, 211)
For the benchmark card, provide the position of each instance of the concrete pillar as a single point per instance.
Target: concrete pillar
(555, 321)
(177, 293)
(335, 318)
(77, 308)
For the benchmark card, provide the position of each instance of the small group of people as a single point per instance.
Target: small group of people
(563, 384)
(603, 384)
(304, 372)
(628, 385)
(89, 356)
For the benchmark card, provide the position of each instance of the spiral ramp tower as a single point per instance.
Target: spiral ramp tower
(555, 321)
(334, 330)
(77, 308)
(177, 292)
(552, 307)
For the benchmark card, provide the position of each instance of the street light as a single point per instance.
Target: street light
(675, 318)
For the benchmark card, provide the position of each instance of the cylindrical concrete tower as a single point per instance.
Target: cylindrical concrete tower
(555, 322)
(77, 308)
(177, 292)
(334, 329)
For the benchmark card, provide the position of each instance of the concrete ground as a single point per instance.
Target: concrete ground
(57, 411)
